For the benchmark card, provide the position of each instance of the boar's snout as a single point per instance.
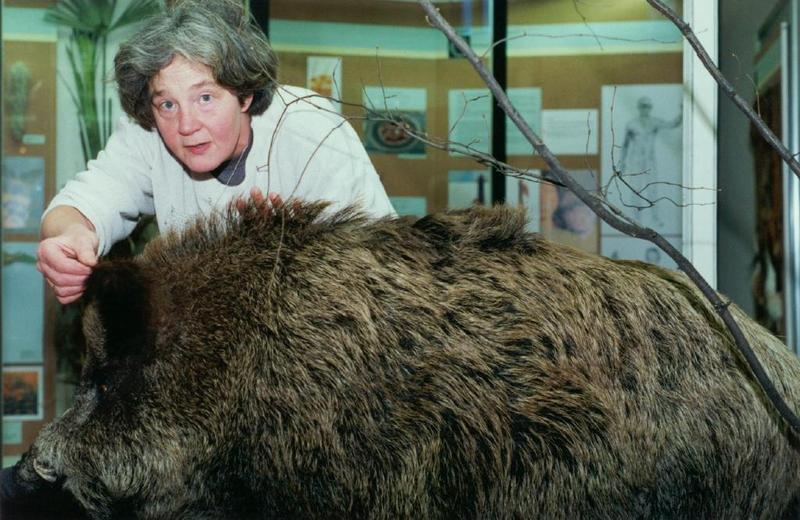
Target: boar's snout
(34, 471)
(45, 470)
(42, 462)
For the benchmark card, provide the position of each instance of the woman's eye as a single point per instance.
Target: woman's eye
(167, 106)
(205, 98)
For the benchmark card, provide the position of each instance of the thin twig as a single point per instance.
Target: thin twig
(586, 23)
(726, 86)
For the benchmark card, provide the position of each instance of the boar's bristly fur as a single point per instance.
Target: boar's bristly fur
(294, 364)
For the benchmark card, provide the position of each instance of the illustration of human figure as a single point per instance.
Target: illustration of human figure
(638, 164)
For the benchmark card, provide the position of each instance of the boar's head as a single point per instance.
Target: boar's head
(125, 437)
(157, 419)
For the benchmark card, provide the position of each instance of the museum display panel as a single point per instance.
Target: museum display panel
(385, 63)
(602, 85)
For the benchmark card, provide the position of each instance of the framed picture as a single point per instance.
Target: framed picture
(324, 76)
(388, 132)
(23, 391)
(23, 309)
(397, 112)
(642, 154)
(23, 193)
(565, 218)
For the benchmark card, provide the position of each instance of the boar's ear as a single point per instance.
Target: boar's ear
(120, 292)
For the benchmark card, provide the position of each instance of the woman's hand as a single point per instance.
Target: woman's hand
(66, 260)
(257, 197)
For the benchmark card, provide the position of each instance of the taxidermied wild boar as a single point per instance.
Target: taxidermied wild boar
(280, 363)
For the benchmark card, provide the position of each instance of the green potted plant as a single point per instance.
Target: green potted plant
(91, 23)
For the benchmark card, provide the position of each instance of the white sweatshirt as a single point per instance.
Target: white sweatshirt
(301, 148)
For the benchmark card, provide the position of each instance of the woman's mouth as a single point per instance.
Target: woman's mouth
(197, 149)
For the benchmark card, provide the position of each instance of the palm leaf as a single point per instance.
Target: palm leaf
(67, 13)
(81, 15)
(91, 21)
(78, 99)
(135, 12)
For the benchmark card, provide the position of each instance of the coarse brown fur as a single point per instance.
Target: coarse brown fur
(278, 364)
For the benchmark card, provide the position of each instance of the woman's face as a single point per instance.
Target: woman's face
(202, 123)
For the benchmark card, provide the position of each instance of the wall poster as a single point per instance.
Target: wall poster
(324, 76)
(565, 218)
(642, 159)
(642, 154)
(410, 206)
(393, 111)
(528, 101)
(469, 114)
(23, 393)
(469, 118)
(623, 247)
(570, 132)
(23, 304)
(23, 193)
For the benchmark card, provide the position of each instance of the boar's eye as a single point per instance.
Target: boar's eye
(102, 388)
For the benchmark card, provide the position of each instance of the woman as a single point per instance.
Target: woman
(209, 125)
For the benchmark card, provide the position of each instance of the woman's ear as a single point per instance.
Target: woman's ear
(246, 102)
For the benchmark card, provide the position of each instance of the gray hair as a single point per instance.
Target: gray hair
(220, 34)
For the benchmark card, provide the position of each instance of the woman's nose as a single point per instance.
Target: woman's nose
(188, 122)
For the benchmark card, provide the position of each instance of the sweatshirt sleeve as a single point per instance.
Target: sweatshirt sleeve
(116, 188)
(364, 183)
(330, 160)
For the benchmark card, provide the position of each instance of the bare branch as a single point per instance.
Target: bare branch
(756, 94)
(598, 37)
(614, 216)
(726, 86)
(586, 23)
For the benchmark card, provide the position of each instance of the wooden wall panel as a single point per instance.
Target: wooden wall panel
(524, 12)
(375, 12)
(566, 82)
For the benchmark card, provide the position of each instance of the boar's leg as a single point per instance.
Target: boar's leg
(29, 499)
